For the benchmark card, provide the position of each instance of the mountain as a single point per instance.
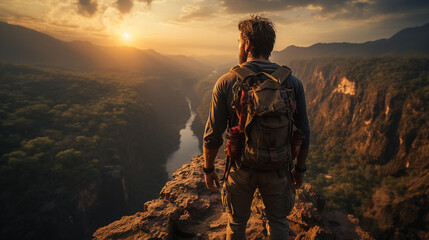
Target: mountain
(26, 46)
(407, 42)
(185, 209)
(22, 45)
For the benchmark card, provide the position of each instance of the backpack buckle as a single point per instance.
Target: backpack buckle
(283, 93)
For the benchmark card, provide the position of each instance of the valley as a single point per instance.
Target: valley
(79, 150)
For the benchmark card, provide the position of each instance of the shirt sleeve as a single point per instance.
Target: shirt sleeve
(300, 117)
(217, 120)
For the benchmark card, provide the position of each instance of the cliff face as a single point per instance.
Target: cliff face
(376, 105)
(370, 144)
(185, 209)
(369, 135)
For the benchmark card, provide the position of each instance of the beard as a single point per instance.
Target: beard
(242, 55)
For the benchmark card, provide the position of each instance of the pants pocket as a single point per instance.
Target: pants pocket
(290, 197)
(290, 179)
(226, 199)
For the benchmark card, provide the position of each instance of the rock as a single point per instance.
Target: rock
(185, 209)
(345, 226)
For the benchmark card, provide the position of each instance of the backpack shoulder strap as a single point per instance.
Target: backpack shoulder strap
(242, 72)
(282, 74)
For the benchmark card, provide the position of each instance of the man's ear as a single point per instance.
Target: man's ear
(247, 45)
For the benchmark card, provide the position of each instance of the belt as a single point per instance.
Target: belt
(247, 168)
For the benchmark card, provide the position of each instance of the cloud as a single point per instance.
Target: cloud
(124, 6)
(251, 6)
(281, 20)
(333, 9)
(87, 8)
(64, 24)
(393, 6)
(195, 13)
(148, 2)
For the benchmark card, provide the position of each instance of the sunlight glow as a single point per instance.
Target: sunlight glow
(127, 36)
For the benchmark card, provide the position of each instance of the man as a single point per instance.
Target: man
(277, 187)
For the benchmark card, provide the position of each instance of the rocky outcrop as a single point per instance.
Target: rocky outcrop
(185, 209)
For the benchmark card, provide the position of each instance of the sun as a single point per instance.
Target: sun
(126, 36)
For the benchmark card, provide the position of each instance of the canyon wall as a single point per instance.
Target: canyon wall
(370, 134)
(369, 137)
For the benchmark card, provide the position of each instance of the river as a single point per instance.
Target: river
(188, 148)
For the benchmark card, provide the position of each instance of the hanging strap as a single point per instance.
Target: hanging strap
(228, 165)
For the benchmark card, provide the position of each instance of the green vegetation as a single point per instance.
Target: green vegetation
(60, 132)
(344, 179)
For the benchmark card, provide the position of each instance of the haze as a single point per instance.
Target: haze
(208, 27)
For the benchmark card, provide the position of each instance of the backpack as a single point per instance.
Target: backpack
(265, 117)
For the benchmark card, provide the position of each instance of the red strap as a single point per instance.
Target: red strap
(242, 111)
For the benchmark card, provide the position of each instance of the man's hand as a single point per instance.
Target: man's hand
(297, 178)
(211, 180)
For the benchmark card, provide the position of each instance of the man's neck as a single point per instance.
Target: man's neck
(259, 59)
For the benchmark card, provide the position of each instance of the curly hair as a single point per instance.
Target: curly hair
(261, 33)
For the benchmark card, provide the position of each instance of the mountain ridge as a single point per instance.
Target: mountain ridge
(407, 42)
(33, 48)
(23, 45)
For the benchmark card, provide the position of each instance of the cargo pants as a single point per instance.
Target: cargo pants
(278, 196)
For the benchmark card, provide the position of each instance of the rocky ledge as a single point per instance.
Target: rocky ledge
(185, 209)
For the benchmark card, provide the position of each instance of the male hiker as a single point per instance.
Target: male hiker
(262, 107)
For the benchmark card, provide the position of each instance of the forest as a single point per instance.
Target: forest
(79, 150)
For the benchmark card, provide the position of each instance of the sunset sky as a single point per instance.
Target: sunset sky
(205, 27)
